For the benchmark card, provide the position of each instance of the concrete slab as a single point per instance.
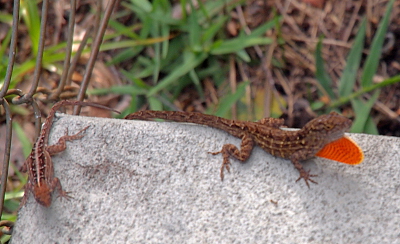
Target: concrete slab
(154, 182)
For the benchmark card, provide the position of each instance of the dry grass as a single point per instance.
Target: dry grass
(338, 22)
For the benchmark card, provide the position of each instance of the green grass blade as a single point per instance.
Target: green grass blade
(194, 31)
(191, 61)
(30, 14)
(6, 18)
(237, 44)
(127, 54)
(144, 5)
(157, 51)
(132, 43)
(370, 127)
(344, 100)
(165, 31)
(122, 30)
(196, 81)
(210, 33)
(362, 110)
(229, 100)
(372, 62)
(243, 55)
(348, 79)
(243, 41)
(4, 45)
(263, 28)
(122, 90)
(25, 142)
(210, 9)
(321, 74)
(155, 104)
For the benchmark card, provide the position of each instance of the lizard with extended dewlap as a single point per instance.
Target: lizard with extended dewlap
(41, 180)
(322, 136)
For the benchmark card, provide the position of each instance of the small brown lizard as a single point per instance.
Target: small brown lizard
(294, 145)
(41, 180)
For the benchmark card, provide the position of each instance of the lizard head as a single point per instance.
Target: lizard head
(42, 194)
(331, 126)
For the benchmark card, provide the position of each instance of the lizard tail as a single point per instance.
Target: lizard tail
(188, 117)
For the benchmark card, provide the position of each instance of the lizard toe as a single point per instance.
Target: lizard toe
(215, 153)
(307, 177)
(225, 165)
(65, 195)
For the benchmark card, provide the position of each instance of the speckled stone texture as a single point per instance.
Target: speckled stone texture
(155, 182)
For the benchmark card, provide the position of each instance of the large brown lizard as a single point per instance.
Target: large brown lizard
(325, 132)
(41, 180)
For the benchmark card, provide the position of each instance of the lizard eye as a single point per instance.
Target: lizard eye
(328, 126)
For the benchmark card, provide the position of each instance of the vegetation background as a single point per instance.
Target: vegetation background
(294, 59)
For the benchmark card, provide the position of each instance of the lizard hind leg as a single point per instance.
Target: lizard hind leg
(28, 188)
(241, 154)
(226, 162)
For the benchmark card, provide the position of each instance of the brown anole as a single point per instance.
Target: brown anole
(320, 133)
(41, 180)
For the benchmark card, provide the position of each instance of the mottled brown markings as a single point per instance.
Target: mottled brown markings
(41, 180)
(294, 145)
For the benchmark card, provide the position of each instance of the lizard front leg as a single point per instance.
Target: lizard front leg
(231, 150)
(303, 174)
(56, 185)
(61, 145)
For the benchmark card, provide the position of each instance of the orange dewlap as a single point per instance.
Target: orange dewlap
(343, 150)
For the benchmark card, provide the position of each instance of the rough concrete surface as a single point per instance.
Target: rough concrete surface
(154, 182)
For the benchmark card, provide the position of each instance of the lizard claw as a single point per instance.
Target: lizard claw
(64, 195)
(307, 177)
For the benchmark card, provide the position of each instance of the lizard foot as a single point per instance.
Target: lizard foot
(307, 177)
(56, 185)
(64, 195)
(225, 164)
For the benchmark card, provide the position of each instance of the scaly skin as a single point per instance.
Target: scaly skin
(41, 180)
(294, 145)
